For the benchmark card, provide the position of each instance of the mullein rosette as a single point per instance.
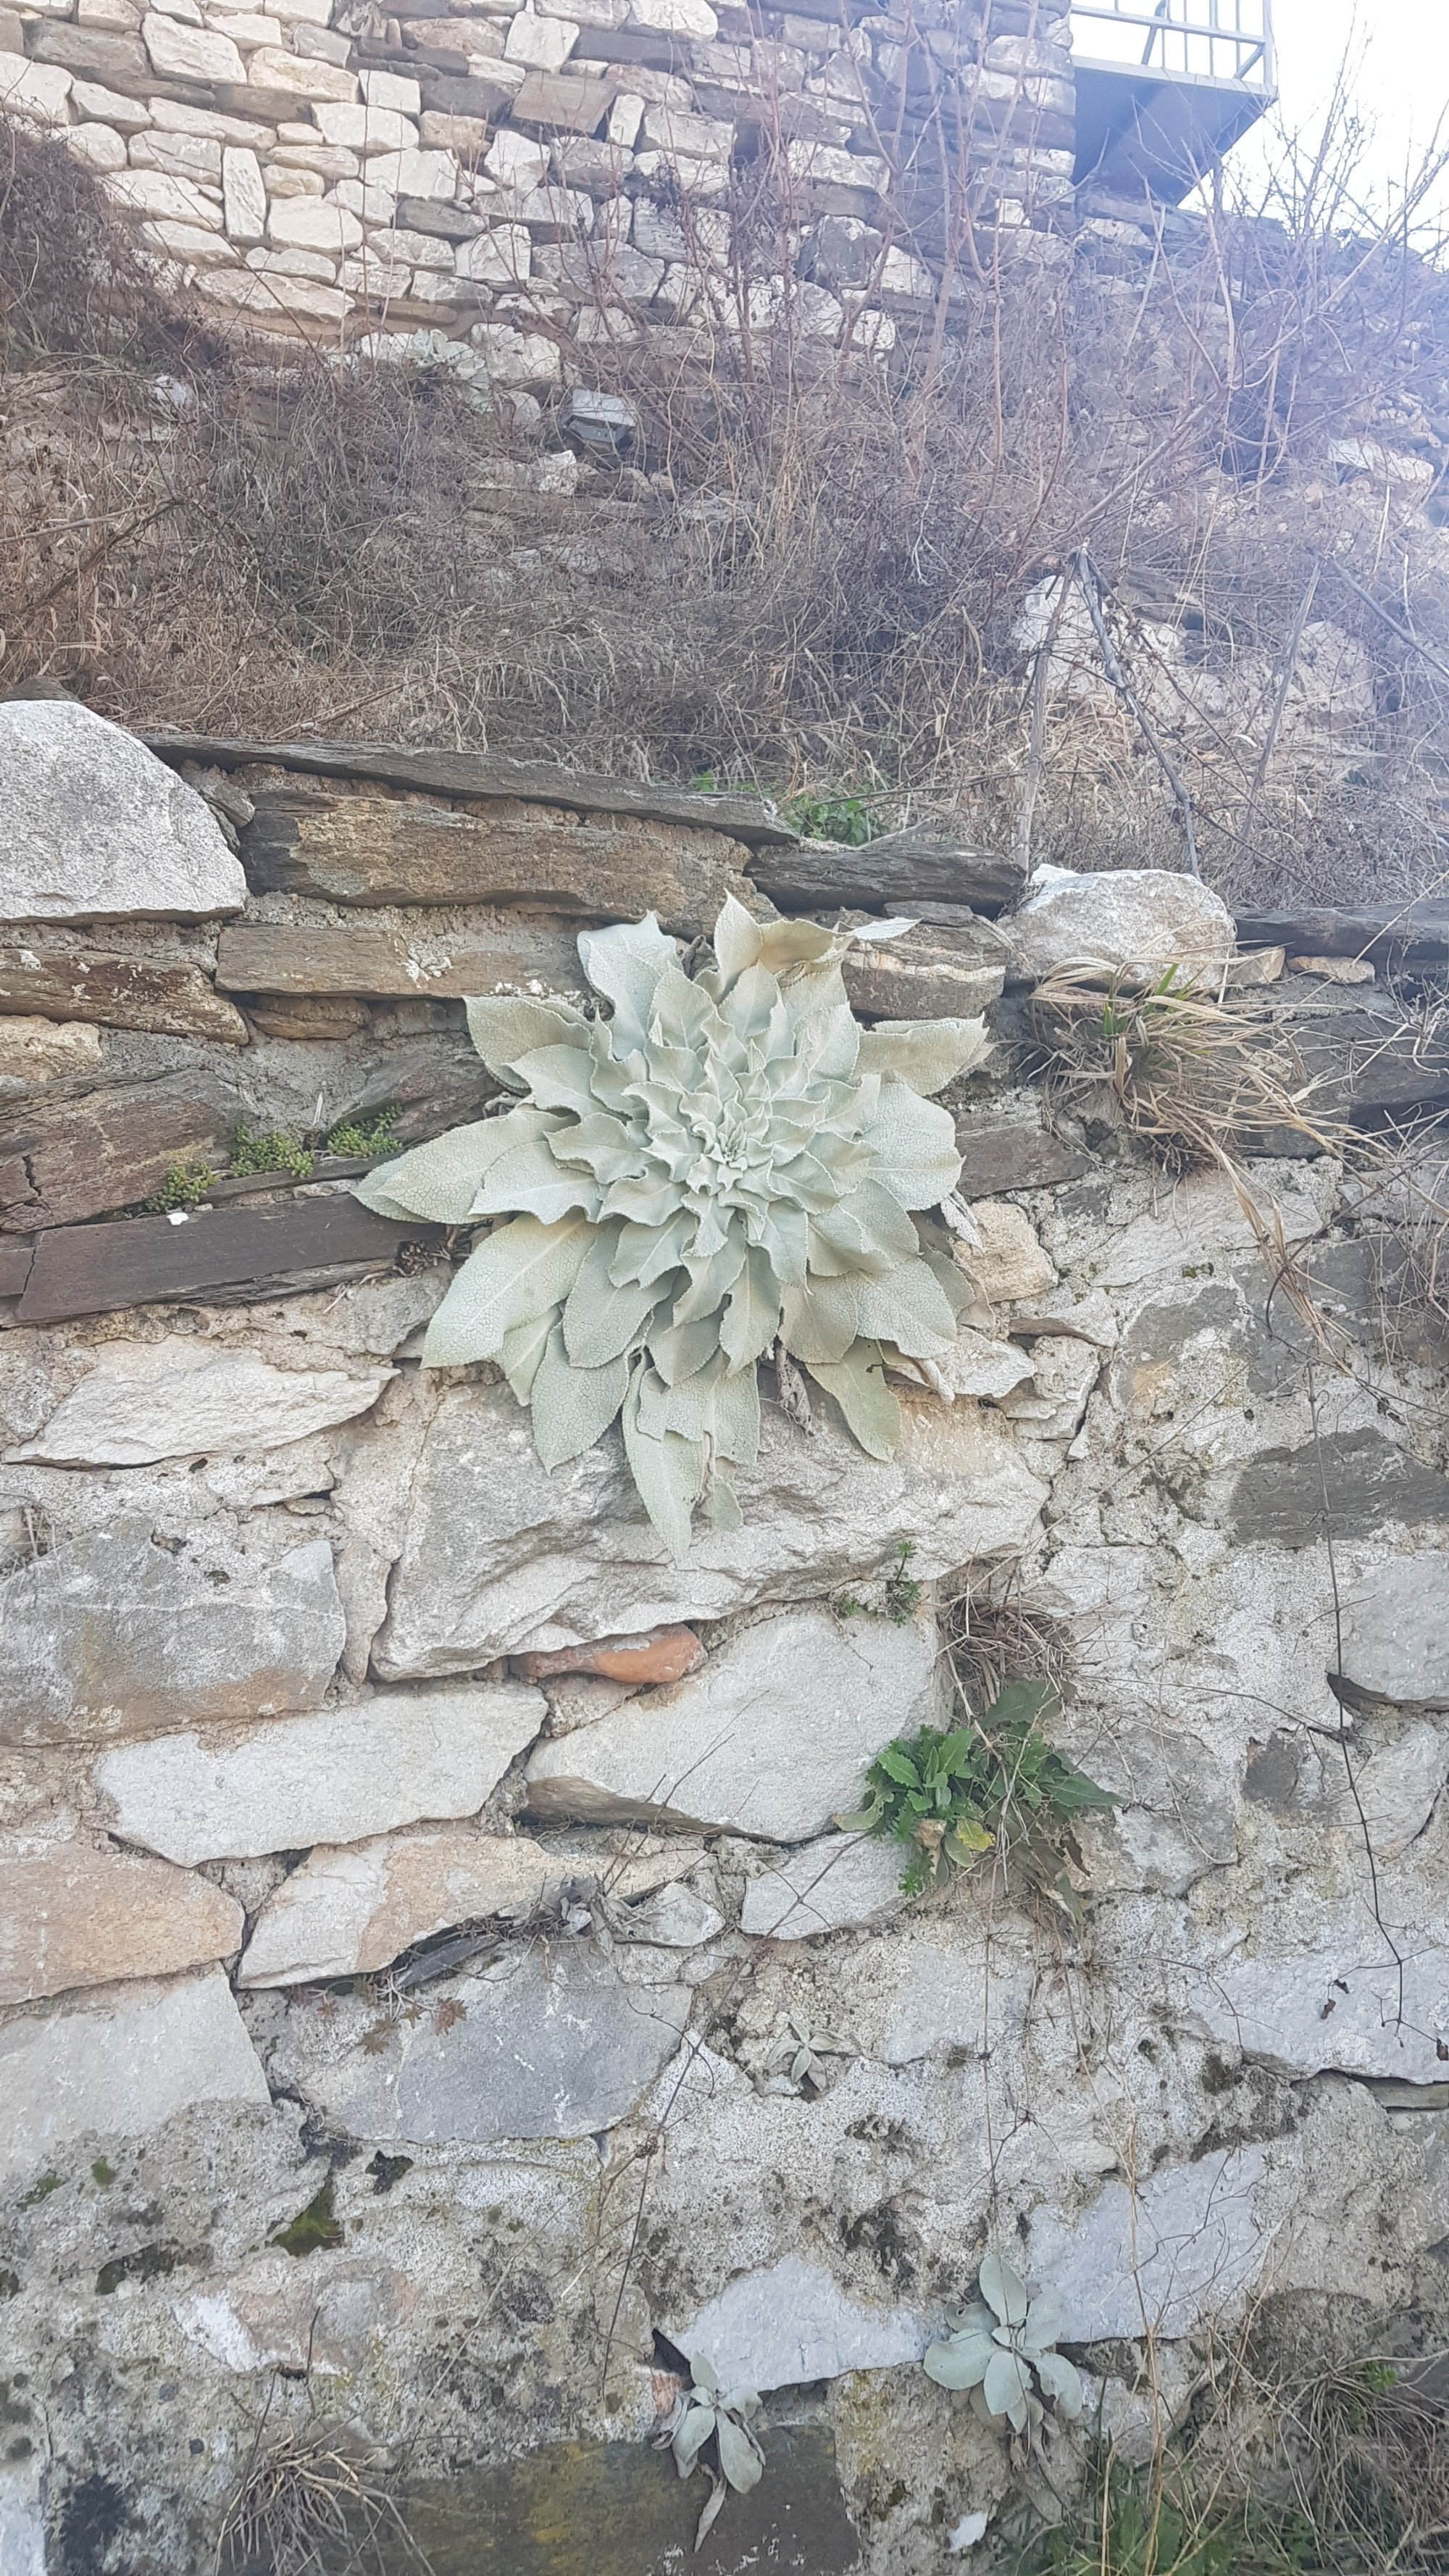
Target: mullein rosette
(1002, 2349)
(726, 1161)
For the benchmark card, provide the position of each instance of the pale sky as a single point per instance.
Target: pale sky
(1399, 53)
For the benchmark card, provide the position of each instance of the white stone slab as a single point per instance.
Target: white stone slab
(123, 2067)
(338, 1777)
(181, 1398)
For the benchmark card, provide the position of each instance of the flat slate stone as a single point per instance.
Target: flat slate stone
(793, 2324)
(180, 1398)
(94, 828)
(65, 1159)
(380, 965)
(772, 1737)
(111, 1635)
(122, 2067)
(896, 873)
(1416, 933)
(927, 975)
(476, 776)
(841, 1879)
(118, 993)
(500, 1556)
(355, 846)
(345, 1912)
(1008, 1148)
(621, 2509)
(304, 1239)
(1278, 1498)
(548, 2044)
(71, 1915)
(338, 1777)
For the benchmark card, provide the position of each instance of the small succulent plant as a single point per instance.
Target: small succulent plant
(798, 2056)
(1001, 2349)
(725, 1166)
(731, 2415)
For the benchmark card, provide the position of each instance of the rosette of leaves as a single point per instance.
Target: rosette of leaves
(999, 1784)
(724, 1162)
(1001, 2349)
(706, 2411)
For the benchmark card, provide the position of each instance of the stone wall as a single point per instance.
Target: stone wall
(519, 177)
(432, 1969)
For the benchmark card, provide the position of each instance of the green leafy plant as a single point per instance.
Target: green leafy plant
(375, 1135)
(846, 818)
(185, 1186)
(1000, 2349)
(900, 1593)
(270, 1151)
(1143, 2522)
(993, 1785)
(705, 2412)
(725, 1164)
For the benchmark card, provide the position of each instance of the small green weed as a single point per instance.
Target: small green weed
(900, 1593)
(828, 817)
(1142, 2526)
(185, 1186)
(41, 2190)
(374, 1136)
(998, 1784)
(269, 1151)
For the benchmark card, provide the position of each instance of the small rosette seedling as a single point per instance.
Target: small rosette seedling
(730, 2415)
(1001, 2350)
(723, 1166)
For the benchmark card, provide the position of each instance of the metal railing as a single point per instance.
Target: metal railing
(1209, 39)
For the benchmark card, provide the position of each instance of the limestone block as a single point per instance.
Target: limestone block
(390, 90)
(543, 44)
(243, 196)
(184, 242)
(1338, 2006)
(123, 2067)
(980, 1366)
(268, 297)
(293, 181)
(549, 2044)
(324, 160)
(307, 223)
(358, 1908)
(177, 117)
(34, 1051)
(318, 2319)
(828, 166)
(1132, 921)
(793, 2324)
(413, 174)
(515, 357)
(342, 1777)
(37, 92)
(1181, 2246)
(177, 201)
(111, 1635)
(99, 145)
(841, 1879)
(375, 127)
(74, 1916)
(180, 1397)
(500, 1556)
(675, 17)
(771, 1738)
(516, 160)
(503, 256)
(110, 107)
(191, 53)
(1399, 1787)
(92, 825)
(292, 263)
(625, 118)
(246, 28)
(706, 138)
(1007, 1262)
(188, 156)
(271, 68)
(1396, 1632)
